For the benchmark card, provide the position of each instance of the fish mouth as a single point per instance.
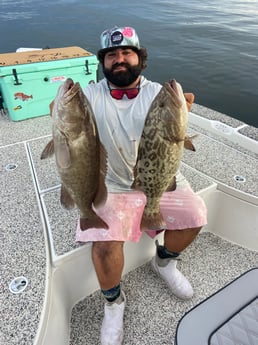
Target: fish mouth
(70, 89)
(171, 86)
(69, 84)
(173, 89)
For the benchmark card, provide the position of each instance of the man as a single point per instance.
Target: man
(120, 103)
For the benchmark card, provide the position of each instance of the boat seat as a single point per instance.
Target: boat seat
(228, 317)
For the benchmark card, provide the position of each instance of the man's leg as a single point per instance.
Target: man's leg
(108, 260)
(178, 240)
(165, 261)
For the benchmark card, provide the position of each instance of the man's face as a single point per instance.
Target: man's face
(121, 66)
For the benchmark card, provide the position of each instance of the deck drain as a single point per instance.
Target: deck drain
(11, 166)
(239, 178)
(18, 284)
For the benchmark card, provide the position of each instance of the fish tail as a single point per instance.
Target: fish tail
(93, 222)
(153, 222)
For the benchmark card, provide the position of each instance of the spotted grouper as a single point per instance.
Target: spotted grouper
(160, 150)
(80, 156)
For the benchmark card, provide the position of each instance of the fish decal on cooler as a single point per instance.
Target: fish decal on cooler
(22, 96)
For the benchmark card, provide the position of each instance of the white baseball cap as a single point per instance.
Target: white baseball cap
(119, 37)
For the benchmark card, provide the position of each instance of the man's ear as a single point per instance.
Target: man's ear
(189, 97)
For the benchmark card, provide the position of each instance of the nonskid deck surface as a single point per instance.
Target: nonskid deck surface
(152, 312)
(31, 214)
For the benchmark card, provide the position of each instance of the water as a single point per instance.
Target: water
(210, 46)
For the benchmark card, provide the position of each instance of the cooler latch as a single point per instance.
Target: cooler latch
(87, 67)
(16, 77)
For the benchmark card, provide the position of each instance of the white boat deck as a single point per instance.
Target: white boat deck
(152, 312)
(37, 238)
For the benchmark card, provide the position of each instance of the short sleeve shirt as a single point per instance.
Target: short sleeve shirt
(120, 124)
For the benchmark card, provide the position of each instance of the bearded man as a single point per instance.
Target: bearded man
(120, 103)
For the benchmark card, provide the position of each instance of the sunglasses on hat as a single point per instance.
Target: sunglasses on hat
(119, 93)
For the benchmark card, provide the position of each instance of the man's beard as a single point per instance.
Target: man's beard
(122, 78)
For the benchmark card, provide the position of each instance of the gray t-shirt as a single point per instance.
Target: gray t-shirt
(120, 124)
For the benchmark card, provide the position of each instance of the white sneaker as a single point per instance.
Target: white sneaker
(175, 280)
(112, 331)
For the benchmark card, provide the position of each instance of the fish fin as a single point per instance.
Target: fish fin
(63, 156)
(154, 222)
(48, 150)
(172, 185)
(51, 106)
(136, 182)
(94, 222)
(101, 195)
(188, 144)
(136, 185)
(65, 199)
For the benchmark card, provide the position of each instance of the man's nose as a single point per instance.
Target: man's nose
(119, 57)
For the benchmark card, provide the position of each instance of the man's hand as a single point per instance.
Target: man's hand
(189, 97)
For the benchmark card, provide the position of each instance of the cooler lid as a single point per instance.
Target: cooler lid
(39, 60)
(20, 58)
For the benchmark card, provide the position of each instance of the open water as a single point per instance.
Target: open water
(209, 46)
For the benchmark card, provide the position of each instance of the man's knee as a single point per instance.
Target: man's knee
(104, 249)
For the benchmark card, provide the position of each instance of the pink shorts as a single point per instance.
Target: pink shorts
(181, 209)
